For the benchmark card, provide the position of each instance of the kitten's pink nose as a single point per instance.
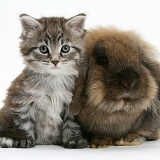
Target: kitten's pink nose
(55, 62)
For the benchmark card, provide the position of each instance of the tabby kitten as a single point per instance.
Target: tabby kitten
(36, 107)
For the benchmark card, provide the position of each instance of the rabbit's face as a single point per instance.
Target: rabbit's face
(118, 77)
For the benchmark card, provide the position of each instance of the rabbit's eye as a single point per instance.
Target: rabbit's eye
(99, 53)
(102, 60)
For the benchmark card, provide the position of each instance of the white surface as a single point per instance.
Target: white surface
(147, 151)
(140, 15)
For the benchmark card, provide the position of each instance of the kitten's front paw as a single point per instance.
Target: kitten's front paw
(27, 143)
(6, 142)
(76, 142)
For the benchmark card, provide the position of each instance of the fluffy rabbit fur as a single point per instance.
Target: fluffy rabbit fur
(117, 94)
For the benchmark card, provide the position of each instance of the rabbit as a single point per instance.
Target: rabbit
(116, 98)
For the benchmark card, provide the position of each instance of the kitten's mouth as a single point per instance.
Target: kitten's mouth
(55, 67)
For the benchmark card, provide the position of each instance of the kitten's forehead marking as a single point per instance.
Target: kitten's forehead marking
(59, 35)
(56, 37)
(59, 38)
(48, 38)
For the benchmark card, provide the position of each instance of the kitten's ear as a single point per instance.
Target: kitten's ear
(29, 24)
(76, 23)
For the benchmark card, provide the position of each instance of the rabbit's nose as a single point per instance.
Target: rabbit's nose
(128, 79)
(128, 84)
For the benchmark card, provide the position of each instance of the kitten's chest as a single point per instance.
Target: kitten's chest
(49, 103)
(48, 120)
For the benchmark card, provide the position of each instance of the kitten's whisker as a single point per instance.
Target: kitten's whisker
(32, 60)
(64, 61)
(45, 62)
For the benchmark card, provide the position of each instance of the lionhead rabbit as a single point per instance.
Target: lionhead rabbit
(117, 94)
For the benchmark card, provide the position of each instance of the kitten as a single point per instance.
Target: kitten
(36, 107)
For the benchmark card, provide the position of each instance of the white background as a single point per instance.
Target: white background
(143, 16)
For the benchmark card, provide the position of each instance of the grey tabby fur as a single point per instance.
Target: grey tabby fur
(36, 107)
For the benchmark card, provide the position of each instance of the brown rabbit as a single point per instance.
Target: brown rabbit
(117, 94)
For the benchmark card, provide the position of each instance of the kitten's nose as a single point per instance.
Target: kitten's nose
(55, 62)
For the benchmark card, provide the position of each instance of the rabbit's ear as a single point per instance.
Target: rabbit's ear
(150, 58)
(76, 104)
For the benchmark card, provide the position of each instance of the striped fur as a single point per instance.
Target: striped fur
(36, 107)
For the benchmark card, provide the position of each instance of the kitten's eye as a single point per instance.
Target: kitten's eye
(65, 49)
(44, 49)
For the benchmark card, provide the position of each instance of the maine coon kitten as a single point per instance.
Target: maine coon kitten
(36, 107)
